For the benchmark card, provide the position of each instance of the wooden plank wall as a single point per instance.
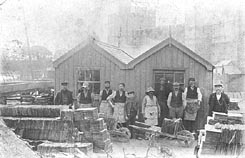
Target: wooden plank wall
(171, 57)
(88, 58)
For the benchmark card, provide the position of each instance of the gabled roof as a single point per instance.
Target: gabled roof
(119, 56)
(171, 41)
(126, 61)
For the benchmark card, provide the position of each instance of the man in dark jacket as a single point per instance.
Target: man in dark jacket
(64, 97)
(218, 101)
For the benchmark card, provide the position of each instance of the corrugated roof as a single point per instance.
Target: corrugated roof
(116, 52)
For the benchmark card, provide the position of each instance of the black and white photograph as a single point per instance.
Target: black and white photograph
(122, 78)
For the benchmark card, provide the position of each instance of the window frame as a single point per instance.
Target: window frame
(170, 71)
(77, 81)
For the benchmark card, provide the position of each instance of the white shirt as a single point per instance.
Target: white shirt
(218, 96)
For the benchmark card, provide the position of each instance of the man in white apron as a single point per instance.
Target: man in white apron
(150, 108)
(105, 107)
(119, 98)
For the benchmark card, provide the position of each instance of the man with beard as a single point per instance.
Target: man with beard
(218, 101)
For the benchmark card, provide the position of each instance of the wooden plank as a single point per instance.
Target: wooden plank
(168, 57)
(163, 57)
(174, 60)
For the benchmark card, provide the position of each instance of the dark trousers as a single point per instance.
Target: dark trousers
(164, 112)
(190, 125)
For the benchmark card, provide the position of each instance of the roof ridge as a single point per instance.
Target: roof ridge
(115, 47)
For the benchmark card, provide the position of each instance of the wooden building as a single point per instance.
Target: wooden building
(97, 62)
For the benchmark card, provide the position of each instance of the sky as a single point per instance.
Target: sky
(62, 24)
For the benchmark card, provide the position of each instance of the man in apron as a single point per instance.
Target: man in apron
(193, 98)
(119, 99)
(150, 108)
(85, 98)
(105, 107)
(64, 97)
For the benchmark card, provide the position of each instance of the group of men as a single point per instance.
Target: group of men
(170, 101)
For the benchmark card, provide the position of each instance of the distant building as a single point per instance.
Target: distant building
(233, 78)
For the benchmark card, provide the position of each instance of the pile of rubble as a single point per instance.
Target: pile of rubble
(59, 128)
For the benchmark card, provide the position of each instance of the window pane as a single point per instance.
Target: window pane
(88, 75)
(179, 77)
(81, 75)
(96, 75)
(169, 77)
(158, 76)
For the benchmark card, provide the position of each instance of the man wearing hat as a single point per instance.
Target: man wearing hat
(85, 98)
(193, 98)
(162, 96)
(150, 108)
(176, 102)
(105, 107)
(218, 101)
(64, 97)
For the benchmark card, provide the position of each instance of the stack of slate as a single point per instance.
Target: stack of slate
(220, 117)
(223, 134)
(13, 100)
(87, 121)
(27, 100)
(43, 123)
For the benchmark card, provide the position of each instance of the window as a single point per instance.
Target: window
(90, 76)
(170, 76)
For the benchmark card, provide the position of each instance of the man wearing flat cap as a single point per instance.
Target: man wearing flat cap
(193, 98)
(64, 97)
(176, 102)
(218, 101)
